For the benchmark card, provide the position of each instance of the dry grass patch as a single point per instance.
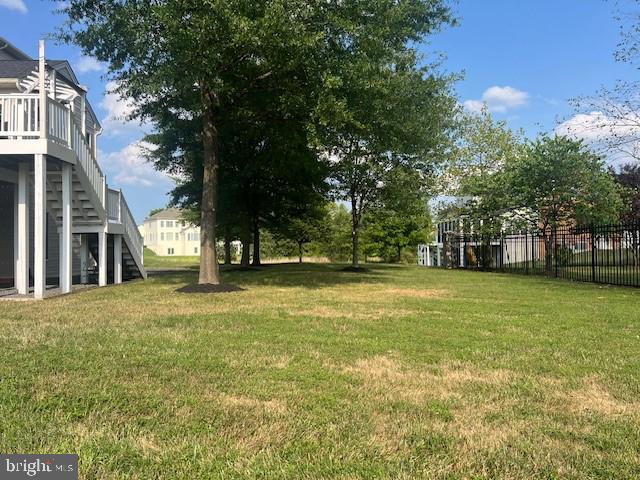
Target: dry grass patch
(354, 312)
(273, 406)
(593, 397)
(374, 292)
(385, 379)
(385, 373)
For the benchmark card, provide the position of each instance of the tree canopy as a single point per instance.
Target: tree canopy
(257, 94)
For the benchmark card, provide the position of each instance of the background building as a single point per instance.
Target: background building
(166, 233)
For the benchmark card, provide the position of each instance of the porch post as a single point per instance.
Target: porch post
(40, 226)
(42, 91)
(22, 250)
(83, 114)
(428, 262)
(65, 237)
(84, 257)
(117, 259)
(102, 255)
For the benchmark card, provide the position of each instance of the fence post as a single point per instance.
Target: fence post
(526, 252)
(554, 250)
(593, 254)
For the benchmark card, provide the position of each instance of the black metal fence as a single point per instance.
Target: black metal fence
(601, 254)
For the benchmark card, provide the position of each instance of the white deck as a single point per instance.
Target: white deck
(48, 152)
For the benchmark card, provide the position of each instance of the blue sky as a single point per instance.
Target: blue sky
(526, 58)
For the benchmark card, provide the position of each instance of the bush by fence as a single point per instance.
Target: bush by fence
(600, 254)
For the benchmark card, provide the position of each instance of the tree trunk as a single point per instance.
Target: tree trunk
(227, 246)
(209, 271)
(300, 252)
(355, 233)
(246, 243)
(399, 254)
(256, 244)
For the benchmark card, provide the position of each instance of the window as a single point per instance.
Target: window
(169, 236)
(161, 223)
(161, 237)
(195, 250)
(170, 251)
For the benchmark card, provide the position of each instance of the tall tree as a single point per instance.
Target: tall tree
(198, 59)
(392, 113)
(202, 60)
(560, 182)
(483, 151)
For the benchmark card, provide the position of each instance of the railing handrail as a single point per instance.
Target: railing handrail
(74, 123)
(131, 228)
(19, 95)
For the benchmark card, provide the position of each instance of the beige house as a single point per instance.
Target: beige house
(166, 233)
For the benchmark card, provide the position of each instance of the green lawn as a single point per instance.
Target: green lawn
(315, 373)
(154, 262)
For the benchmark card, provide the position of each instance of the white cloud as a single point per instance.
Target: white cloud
(616, 138)
(89, 64)
(597, 126)
(118, 110)
(17, 5)
(129, 166)
(498, 99)
(474, 105)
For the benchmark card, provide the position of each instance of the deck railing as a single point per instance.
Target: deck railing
(113, 204)
(58, 117)
(20, 120)
(131, 229)
(87, 161)
(19, 116)
(118, 211)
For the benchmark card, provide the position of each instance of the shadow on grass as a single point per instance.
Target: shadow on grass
(305, 275)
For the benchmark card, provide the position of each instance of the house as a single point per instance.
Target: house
(61, 223)
(166, 233)
(457, 244)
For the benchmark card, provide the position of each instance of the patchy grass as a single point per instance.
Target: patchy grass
(311, 372)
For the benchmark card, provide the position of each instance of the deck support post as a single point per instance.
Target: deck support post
(42, 98)
(40, 226)
(65, 237)
(102, 255)
(84, 259)
(117, 259)
(22, 224)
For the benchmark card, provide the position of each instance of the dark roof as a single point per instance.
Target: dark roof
(21, 68)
